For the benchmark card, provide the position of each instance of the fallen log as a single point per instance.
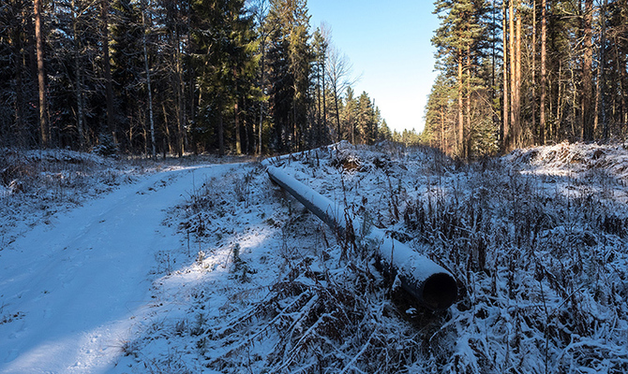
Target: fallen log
(432, 286)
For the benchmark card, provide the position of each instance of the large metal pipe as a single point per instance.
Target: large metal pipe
(431, 285)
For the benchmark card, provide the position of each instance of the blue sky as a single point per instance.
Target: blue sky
(388, 44)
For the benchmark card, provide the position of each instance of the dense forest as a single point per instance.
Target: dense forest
(523, 72)
(160, 76)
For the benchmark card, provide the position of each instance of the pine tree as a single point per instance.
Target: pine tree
(617, 63)
(320, 49)
(543, 88)
(462, 42)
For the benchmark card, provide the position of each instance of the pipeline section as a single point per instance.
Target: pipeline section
(433, 286)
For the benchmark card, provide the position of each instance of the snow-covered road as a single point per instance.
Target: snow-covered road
(72, 291)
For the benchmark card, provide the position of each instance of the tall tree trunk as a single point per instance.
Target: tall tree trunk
(337, 109)
(517, 125)
(325, 101)
(513, 76)
(560, 103)
(460, 142)
(248, 130)
(236, 115)
(574, 107)
(167, 142)
(261, 85)
(148, 83)
(180, 89)
(493, 54)
(78, 70)
(542, 125)
(600, 103)
(620, 99)
(319, 103)
(295, 126)
(588, 116)
(236, 120)
(107, 71)
(41, 77)
(467, 109)
(534, 101)
(221, 135)
(442, 130)
(505, 131)
(261, 104)
(20, 62)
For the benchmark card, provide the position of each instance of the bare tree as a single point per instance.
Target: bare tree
(338, 73)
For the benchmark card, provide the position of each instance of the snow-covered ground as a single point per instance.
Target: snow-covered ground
(213, 269)
(72, 288)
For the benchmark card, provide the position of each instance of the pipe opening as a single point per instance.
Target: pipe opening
(439, 291)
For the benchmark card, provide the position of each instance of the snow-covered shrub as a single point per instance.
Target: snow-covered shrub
(347, 160)
(106, 146)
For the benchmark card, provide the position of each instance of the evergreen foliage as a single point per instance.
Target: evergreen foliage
(160, 76)
(523, 72)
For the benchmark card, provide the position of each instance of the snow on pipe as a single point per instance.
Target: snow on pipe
(432, 285)
(309, 153)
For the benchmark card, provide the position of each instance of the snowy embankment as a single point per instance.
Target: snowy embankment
(236, 276)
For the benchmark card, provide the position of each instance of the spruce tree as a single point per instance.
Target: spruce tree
(17, 84)
(127, 73)
(289, 63)
(222, 36)
(439, 112)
